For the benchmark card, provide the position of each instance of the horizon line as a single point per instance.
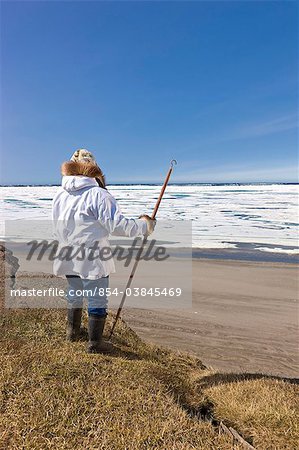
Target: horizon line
(182, 183)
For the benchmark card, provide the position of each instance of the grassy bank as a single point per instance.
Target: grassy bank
(54, 395)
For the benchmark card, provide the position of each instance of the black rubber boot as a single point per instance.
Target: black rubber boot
(74, 317)
(96, 342)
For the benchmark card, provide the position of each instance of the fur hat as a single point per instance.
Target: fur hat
(83, 155)
(83, 163)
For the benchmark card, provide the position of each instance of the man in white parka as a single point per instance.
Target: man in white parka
(85, 213)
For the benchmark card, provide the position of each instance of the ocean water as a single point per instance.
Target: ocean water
(223, 216)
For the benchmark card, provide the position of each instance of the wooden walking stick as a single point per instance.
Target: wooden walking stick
(141, 248)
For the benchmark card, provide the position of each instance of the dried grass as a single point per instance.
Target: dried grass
(55, 396)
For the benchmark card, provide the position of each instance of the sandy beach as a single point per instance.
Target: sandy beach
(244, 317)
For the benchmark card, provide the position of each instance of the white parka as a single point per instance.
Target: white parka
(84, 213)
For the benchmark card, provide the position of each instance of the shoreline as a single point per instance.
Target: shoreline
(245, 252)
(242, 252)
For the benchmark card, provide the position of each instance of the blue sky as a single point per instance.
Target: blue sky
(212, 84)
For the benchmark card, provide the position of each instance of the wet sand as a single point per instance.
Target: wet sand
(244, 317)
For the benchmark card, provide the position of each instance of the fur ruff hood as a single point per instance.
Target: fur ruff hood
(84, 168)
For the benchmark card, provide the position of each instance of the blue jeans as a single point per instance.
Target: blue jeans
(93, 290)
